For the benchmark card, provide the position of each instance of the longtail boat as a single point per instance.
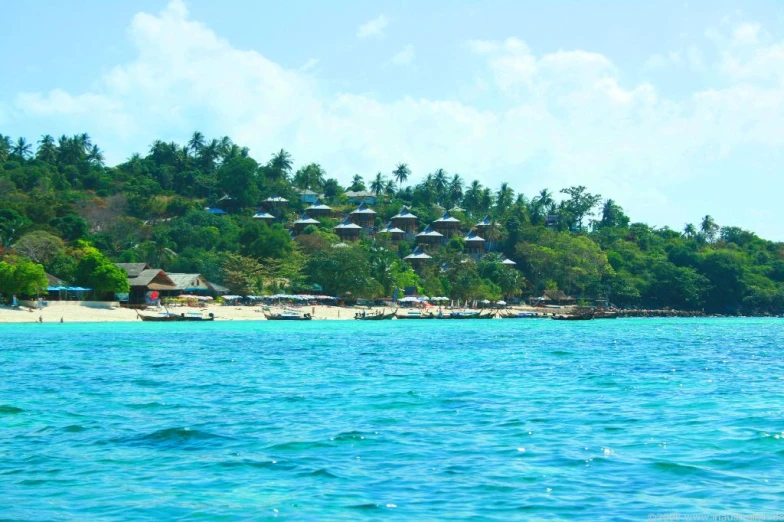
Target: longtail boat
(415, 315)
(287, 316)
(574, 317)
(361, 316)
(172, 317)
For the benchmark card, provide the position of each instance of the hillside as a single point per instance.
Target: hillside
(60, 205)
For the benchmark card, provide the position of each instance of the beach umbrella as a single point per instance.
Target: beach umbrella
(485, 301)
(501, 303)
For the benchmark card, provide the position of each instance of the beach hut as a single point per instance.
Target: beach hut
(508, 262)
(276, 205)
(474, 245)
(483, 226)
(364, 216)
(417, 258)
(395, 234)
(303, 222)
(347, 230)
(187, 284)
(447, 224)
(145, 280)
(429, 238)
(264, 216)
(319, 209)
(554, 297)
(405, 220)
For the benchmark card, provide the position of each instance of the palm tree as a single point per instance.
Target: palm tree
(389, 188)
(455, 189)
(401, 173)
(504, 198)
(709, 228)
(440, 181)
(690, 230)
(377, 186)
(47, 151)
(279, 167)
(357, 183)
(95, 156)
(22, 149)
(208, 154)
(5, 147)
(473, 196)
(196, 142)
(545, 198)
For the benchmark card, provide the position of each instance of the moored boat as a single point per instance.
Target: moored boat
(573, 317)
(521, 315)
(362, 316)
(287, 316)
(415, 315)
(172, 317)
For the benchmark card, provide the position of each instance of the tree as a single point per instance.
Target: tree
(341, 272)
(579, 204)
(21, 149)
(504, 198)
(709, 228)
(377, 186)
(47, 151)
(690, 231)
(279, 167)
(94, 270)
(21, 277)
(196, 142)
(357, 183)
(401, 174)
(39, 246)
(612, 215)
(310, 177)
(237, 178)
(241, 275)
(11, 224)
(71, 226)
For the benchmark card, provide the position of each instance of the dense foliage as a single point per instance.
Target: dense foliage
(62, 209)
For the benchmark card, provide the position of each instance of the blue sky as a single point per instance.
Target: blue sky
(673, 109)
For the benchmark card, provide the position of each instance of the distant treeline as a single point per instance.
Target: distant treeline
(60, 204)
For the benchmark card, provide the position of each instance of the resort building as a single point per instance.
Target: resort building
(264, 216)
(143, 280)
(429, 238)
(276, 205)
(364, 216)
(319, 209)
(307, 196)
(395, 234)
(474, 245)
(347, 230)
(508, 262)
(483, 226)
(417, 258)
(406, 221)
(228, 204)
(361, 196)
(447, 225)
(187, 284)
(303, 222)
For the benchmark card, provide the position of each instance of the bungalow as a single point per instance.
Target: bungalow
(363, 216)
(347, 230)
(276, 205)
(395, 233)
(417, 258)
(447, 224)
(303, 222)
(265, 216)
(361, 196)
(307, 196)
(553, 297)
(228, 204)
(405, 220)
(145, 282)
(187, 284)
(429, 238)
(474, 245)
(319, 209)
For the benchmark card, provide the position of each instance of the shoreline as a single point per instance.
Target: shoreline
(74, 312)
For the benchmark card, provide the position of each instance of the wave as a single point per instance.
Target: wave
(185, 438)
(9, 410)
(297, 446)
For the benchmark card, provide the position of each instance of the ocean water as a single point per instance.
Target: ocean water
(629, 419)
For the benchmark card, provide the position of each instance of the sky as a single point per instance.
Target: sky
(672, 109)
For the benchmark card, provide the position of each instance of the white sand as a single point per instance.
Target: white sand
(73, 311)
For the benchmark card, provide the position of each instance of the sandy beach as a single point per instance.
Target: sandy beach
(75, 311)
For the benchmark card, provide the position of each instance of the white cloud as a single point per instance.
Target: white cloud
(746, 33)
(405, 56)
(373, 28)
(560, 118)
(310, 64)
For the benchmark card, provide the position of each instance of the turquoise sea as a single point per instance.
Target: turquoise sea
(631, 419)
